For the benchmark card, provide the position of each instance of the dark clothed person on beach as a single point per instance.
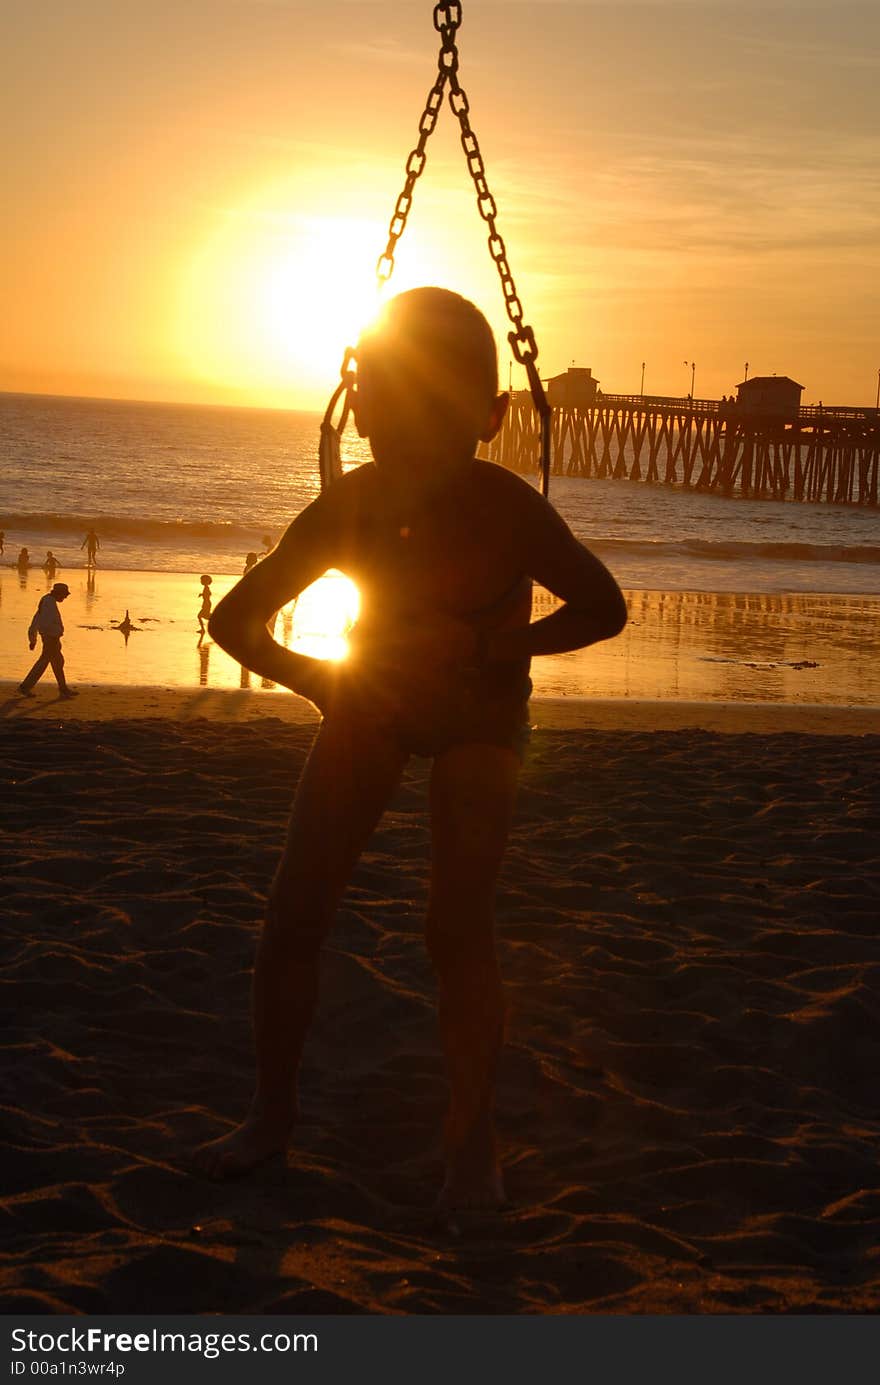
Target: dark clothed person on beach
(443, 549)
(47, 623)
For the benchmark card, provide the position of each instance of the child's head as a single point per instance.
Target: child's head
(428, 380)
(205, 580)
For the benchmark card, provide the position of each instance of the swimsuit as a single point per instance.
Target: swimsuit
(483, 705)
(487, 707)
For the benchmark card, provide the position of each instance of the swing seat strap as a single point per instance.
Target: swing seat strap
(329, 446)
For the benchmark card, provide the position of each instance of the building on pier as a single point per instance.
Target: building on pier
(576, 388)
(770, 396)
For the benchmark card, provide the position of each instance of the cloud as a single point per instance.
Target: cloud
(387, 50)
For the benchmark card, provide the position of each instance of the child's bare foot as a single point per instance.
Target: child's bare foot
(471, 1192)
(254, 1142)
(473, 1174)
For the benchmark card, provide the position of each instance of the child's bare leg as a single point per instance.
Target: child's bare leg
(473, 790)
(346, 783)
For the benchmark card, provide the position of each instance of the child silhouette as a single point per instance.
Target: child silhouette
(444, 549)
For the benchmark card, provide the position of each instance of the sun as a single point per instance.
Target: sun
(272, 294)
(314, 299)
(270, 302)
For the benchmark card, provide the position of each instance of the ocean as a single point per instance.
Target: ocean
(189, 488)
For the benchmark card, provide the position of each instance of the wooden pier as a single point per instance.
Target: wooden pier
(818, 454)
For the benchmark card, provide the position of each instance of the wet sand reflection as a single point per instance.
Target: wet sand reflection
(695, 646)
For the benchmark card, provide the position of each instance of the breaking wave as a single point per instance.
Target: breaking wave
(733, 551)
(127, 527)
(169, 533)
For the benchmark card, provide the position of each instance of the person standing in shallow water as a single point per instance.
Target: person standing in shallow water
(50, 566)
(91, 543)
(47, 623)
(443, 549)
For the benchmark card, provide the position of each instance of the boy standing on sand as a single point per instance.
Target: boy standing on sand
(443, 549)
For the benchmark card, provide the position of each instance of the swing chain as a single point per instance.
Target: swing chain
(417, 157)
(522, 338)
(447, 20)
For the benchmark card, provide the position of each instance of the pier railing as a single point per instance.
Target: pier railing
(805, 413)
(815, 453)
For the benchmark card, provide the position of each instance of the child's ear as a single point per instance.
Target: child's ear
(496, 417)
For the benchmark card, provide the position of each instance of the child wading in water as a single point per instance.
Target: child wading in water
(444, 549)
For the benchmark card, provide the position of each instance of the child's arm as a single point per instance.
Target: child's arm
(593, 609)
(239, 622)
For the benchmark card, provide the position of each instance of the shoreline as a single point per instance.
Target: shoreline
(677, 647)
(700, 580)
(123, 702)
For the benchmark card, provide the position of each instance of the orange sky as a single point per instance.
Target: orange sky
(195, 194)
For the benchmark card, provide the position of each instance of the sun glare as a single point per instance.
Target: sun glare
(312, 301)
(269, 300)
(272, 307)
(323, 616)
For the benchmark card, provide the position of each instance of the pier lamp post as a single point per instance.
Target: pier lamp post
(746, 376)
(642, 386)
(693, 366)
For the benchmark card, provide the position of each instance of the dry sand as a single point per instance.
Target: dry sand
(687, 1102)
(124, 702)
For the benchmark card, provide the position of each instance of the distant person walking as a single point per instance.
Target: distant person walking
(91, 543)
(50, 566)
(250, 561)
(47, 623)
(205, 608)
(24, 560)
(2, 540)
